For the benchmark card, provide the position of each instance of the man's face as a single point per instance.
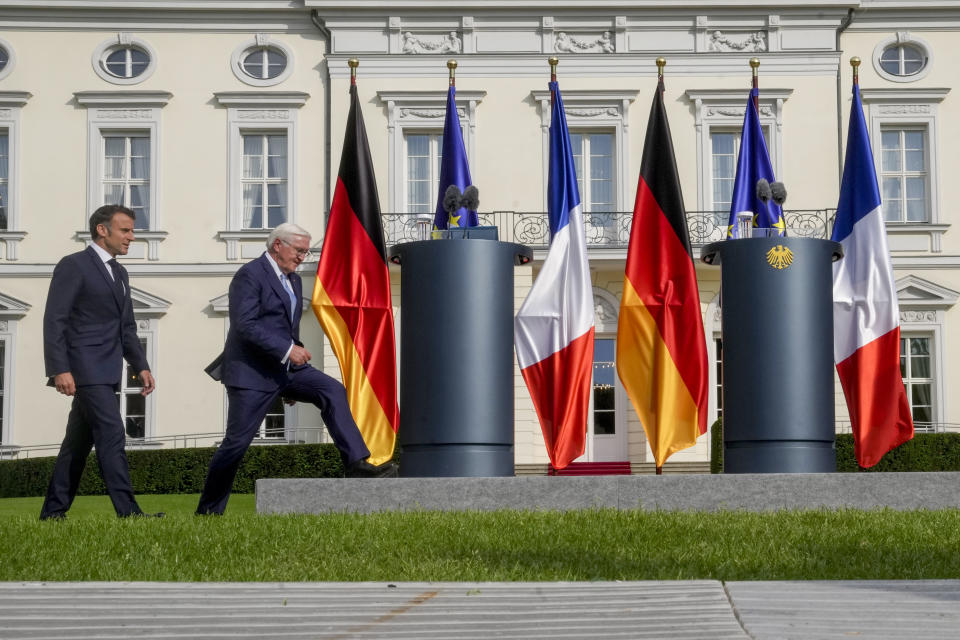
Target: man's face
(116, 237)
(290, 253)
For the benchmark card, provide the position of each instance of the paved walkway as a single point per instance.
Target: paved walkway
(707, 609)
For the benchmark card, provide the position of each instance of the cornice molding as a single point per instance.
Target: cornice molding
(261, 98)
(122, 97)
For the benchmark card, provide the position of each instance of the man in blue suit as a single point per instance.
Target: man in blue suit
(88, 330)
(263, 359)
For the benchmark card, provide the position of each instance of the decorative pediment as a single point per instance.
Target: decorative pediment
(916, 293)
(11, 308)
(146, 305)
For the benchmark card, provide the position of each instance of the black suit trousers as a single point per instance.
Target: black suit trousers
(94, 420)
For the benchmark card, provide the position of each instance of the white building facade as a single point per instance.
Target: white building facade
(215, 120)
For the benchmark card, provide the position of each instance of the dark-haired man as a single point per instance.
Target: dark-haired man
(88, 330)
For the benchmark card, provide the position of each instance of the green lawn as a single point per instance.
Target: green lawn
(92, 544)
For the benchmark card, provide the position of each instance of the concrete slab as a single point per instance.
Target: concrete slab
(750, 492)
(465, 611)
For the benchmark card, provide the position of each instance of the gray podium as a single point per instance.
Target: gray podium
(456, 356)
(778, 393)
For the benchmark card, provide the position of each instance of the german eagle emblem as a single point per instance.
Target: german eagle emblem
(779, 257)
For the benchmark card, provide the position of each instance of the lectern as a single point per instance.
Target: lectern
(776, 298)
(456, 356)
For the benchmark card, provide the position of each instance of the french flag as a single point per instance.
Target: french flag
(865, 311)
(554, 328)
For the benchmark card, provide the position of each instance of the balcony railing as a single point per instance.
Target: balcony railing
(604, 230)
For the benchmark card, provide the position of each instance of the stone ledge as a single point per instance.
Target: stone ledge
(749, 492)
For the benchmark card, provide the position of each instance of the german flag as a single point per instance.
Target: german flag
(351, 296)
(661, 352)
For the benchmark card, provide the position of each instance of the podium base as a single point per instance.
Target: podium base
(461, 460)
(779, 457)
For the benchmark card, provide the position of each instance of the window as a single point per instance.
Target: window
(903, 175)
(917, 371)
(124, 59)
(126, 62)
(604, 387)
(7, 58)
(11, 310)
(126, 174)
(724, 147)
(415, 139)
(902, 60)
(902, 57)
(4, 178)
(264, 181)
(718, 364)
(273, 425)
(262, 61)
(133, 405)
(262, 160)
(593, 156)
(423, 158)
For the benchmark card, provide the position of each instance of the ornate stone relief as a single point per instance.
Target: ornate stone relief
(566, 43)
(904, 109)
(4, 326)
(425, 113)
(606, 313)
(736, 111)
(263, 114)
(751, 42)
(449, 43)
(125, 114)
(6, 113)
(586, 112)
(918, 316)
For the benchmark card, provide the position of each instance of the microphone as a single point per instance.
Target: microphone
(451, 199)
(779, 193)
(763, 190)
(471, 198)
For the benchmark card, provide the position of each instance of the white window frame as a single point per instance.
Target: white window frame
(256, 112)
(147, 311)
(903, 38)
(260, 41)
(436, 152)
(606, 313)
(934, 374)
(11, 103)
(923, 307)
(600, 110)
(11, 311)
(906, 107)
(724, 109)
(11, 59)
(128, 181)
(116, 43)
(124, 112)
(422, 112)
(264, 180)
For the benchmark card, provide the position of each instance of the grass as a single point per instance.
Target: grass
(473, 546)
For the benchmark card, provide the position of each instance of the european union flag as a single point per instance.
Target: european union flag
(453, 169)
(753, 163)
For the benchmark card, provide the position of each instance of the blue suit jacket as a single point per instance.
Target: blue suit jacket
(88, 326)
(262, 327)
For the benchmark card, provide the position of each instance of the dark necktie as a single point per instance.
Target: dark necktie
(117, 279)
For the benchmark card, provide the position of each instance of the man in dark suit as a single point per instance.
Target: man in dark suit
(88, 330)
(263, 359)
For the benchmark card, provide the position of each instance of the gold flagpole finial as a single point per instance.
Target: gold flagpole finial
(661, 63)
(554, 61)
(452, 65)
(353, 63)
(755, 65)
(855, 63)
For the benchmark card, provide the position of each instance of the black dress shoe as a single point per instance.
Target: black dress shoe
(53, 516)
(363, 469)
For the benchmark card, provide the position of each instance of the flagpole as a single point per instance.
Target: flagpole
(452, 65)
(353, 63)
(755, 66)
(855, 63)
(554, 61)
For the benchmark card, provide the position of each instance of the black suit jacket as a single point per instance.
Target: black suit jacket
(88, 326)
(262, 327)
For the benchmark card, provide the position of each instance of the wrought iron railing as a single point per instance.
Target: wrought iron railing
(609, 230)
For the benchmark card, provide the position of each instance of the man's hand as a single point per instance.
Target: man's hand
(65, 384)
(299, 356)
(149, 384)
